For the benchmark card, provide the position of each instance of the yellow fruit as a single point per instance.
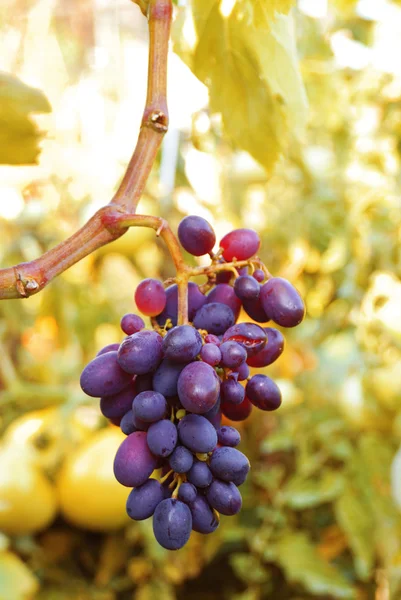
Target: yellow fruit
(90, 497)
(27, 498)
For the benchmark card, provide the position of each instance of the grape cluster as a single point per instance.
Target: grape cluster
(168, 387)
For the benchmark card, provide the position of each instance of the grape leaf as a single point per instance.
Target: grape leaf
(300, 493)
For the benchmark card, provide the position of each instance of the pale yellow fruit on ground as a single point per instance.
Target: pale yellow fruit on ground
(28, 500)
(89, 495)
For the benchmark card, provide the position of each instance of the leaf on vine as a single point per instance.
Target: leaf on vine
(19, 135)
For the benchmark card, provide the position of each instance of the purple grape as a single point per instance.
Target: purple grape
(216, 420)
(127, 424)
(243, 372)
(240, 244)
(223, 276)
(162, 438)
(212, 339)
(166, 378)
(232, 354)
(187, 493)
(210, 354)
(255, 310)
(224, 497)
(143, 500)
(213, 411)
(182, 344)
(108, 348)
(195, 300)
(150, 406)
(181, 460)
(246, 288)
(200, 475)
(103, 376)
(259, 275)
(196, 235)
(228, 436)
(141, 352)
(229, 464)
(198, 387)
(172, 524)
(139, 424)
(224, 294)
(282, 302)
(263, 392)
(237, 412)
(242, 271)
(197, 434)
(115, 407)
(134, 463)
(273, 349)
(203, 517)
(252, 337)
(232, 392)
(144, 383)
(131, 323)
(215, 317)
(150, 297)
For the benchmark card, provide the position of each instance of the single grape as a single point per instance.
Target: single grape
(195, 300)
(181, 460)
(142, 500)
(139, 424)
(255, 310)
(228, 436)
(282, 302)
(166, 377)
(182, 344)
(150, 297)
(134, 463)
(187, 492)
(240, 244)
(127, 424)
(215, 317)
(232, 392)
(229, 464)
(196, 235)
(141, 352)
(162, 438)
(246, 288)
(259, 275)
(131, 323)
(263, 392)
(232, 354)
(249, 335)
(242, 271)
(272, 350)
(212, 339)
(197, 434)
(172, 524)
(108, 348)
(225, 497)
(237, 412)
(103, 376)
(150, 406)
(203, 518)
(210, 354)
(225, 294)
(200, 475)
(115, 406)
(223, 276)
(198, 387)
(243, 372)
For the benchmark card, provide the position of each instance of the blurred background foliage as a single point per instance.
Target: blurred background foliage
(321, 516)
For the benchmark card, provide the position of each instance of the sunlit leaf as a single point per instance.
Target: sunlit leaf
(248, 568)
(300, 493)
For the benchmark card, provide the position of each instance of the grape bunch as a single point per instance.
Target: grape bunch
(168, 387)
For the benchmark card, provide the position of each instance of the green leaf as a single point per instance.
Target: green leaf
(303, 564)
(16, 580)
(248, 568)
(300, 493)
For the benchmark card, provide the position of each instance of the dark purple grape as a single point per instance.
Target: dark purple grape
(203, 518)
(223, 276)
(213, 411)
(108, 348)
(150, 406)
(127, 424)
(197, 434)
(131, 323)
(210, 354)
(139, 424)
(224, 294)
(195, 300)
(237, 412)
(232, 392)
(115, 407)
(259, 275)
(229, 464)
(215, 420)
(187, 492)
(172, 524)
(240, 244)
(142, 500)
(141, 352)
(103, 376)
(232, 354)
(263, 392)
(228, 436)
(246, 288)
(212, 339)
(249, 335)
(144, 383)
(282, 302)
(196, 235)
(181, 460)
(198, 387)
(224, 497)
(273, 349)
(214, 317)
(162, 438)
(200, 475)
(242, 271)
(150, 297)
(242, 371)
(134, 462)
(166, 378)
(182, 344)
(255, 310)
